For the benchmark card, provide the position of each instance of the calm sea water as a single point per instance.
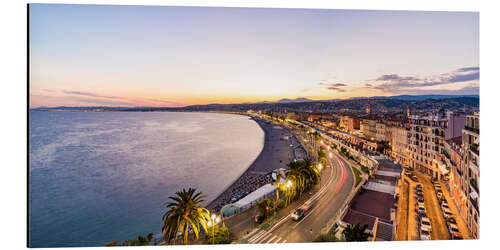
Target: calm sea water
(99, 176)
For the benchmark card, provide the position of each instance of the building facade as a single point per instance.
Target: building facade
(452, 157)
(470, 166)
(426, 142)
(399, 144)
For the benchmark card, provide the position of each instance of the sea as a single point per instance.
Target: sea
(95, 177)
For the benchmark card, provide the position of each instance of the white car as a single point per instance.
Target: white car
(425, 223)
(425, 235)
(447, 213)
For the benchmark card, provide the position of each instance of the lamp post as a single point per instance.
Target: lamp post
(214, 220)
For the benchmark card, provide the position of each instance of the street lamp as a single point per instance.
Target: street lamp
(214, 220)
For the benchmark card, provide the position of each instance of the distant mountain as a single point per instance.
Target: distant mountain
(296, 100)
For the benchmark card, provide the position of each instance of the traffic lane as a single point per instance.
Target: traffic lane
(324, 209)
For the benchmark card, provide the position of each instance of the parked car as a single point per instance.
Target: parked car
(421, 208)
(447, 213)
(456, 236)
(439, 195)
(444, 206)
(425, 223)
(453, 228)
(451, 220)
(424, 234)
(422, 215)
(420, 201)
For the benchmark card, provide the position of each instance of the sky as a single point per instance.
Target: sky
(112, 55)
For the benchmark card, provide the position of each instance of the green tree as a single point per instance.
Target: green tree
(217, 235)
(328, 237)
(356, 233)
(184, 212)
(265, 206)
(140, 241)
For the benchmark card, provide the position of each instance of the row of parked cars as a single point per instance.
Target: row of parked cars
(423, 223)
(451, 223)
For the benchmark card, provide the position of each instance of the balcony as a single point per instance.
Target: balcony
(474, 203)
(473, 184)
(474, 148)
(475, 130)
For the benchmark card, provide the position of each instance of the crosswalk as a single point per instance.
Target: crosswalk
(265, 237)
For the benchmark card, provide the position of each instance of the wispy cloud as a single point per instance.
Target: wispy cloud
(81, 93)
(468, 69)
(167, 102)
(398, 83)
(332, 84)
(337, 89)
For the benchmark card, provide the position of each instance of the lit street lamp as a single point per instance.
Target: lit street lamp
(214, 220)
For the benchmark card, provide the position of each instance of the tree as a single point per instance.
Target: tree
(328, 237)
(265, 206)
(356, 233)
(184, 213)
(140, 241)
(303, 176)
(220, 235)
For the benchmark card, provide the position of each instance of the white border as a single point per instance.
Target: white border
(13, 103)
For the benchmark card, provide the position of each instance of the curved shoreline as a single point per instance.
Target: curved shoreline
(275, 153)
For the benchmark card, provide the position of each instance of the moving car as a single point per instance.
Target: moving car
(300, 212)
(414, 178)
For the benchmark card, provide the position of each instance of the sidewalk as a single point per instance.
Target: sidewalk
(462, 227)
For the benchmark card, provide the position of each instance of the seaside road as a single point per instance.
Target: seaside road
(323, 209)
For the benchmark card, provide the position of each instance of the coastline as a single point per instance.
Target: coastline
(276, 153)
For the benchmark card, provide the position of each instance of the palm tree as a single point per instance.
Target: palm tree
(356, 233)
(184, 212)
(303, 176)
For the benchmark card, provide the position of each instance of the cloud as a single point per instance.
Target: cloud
(467, 90)
(165, 102)
(333, 84)
(81, 93)
(337, 89)
(468, 69)
(104, 102)
(396, 77)
(464, 78)
(397, 83)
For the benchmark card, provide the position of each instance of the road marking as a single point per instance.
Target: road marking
(253, 238)
(263, 238)
(272, 238)
(277, 240)
(264, 235)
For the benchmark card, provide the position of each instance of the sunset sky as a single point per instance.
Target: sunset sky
(93, 55)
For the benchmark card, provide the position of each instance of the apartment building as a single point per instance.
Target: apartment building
(369, 129)
(452, 157)
(426, 142)
(399, 144)
(470, 166)
(349, 123)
